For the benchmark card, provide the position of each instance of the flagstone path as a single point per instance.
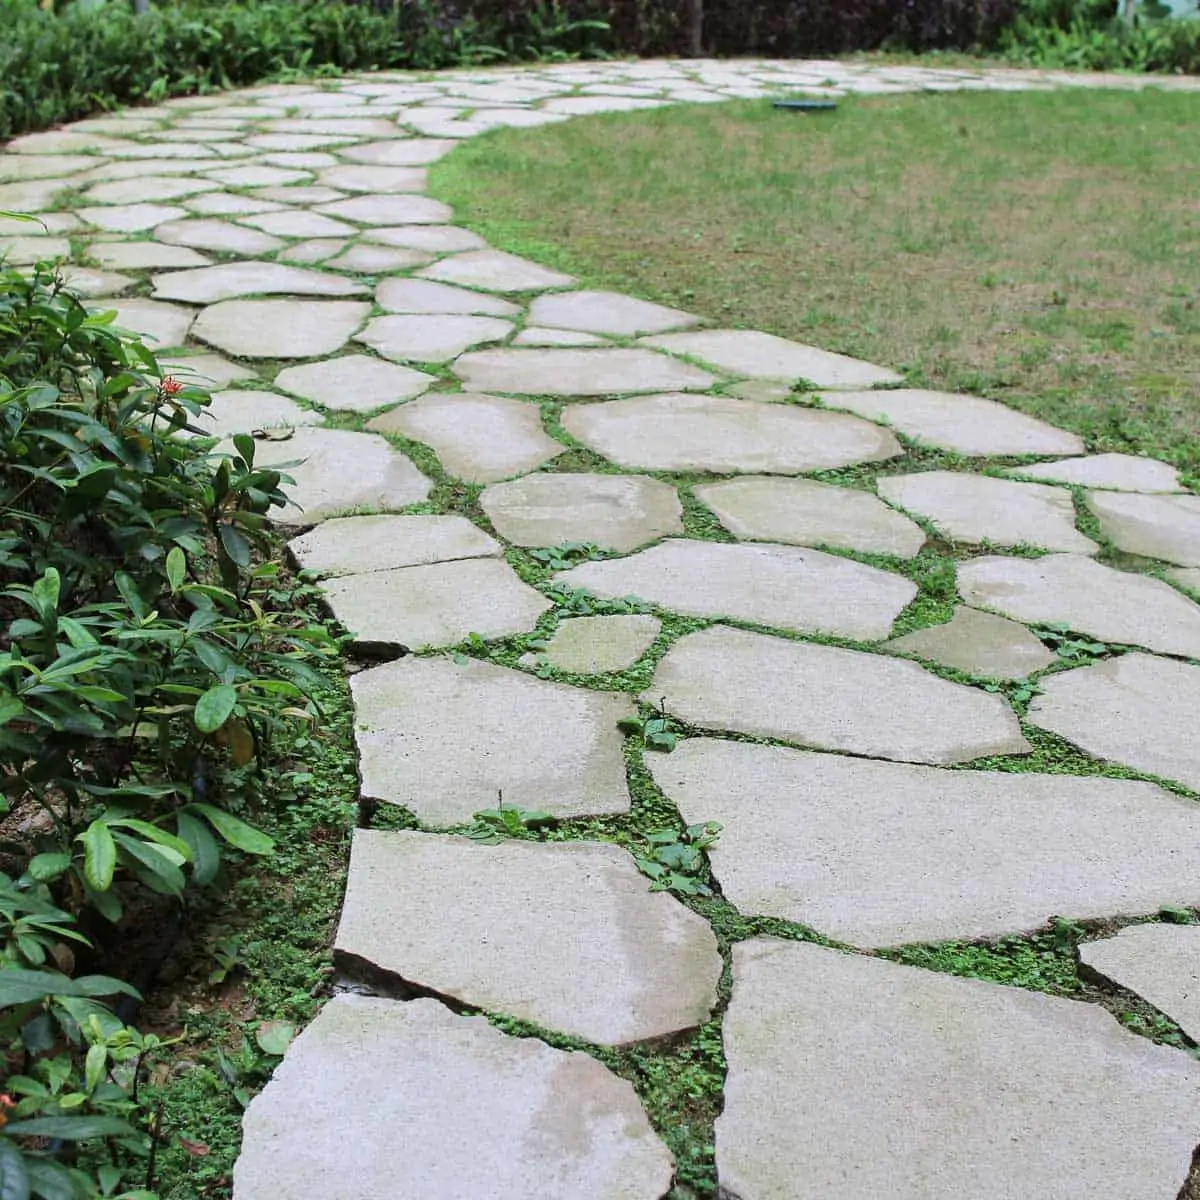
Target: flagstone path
(864, 746)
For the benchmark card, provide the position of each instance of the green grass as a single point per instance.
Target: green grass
(1042, 249)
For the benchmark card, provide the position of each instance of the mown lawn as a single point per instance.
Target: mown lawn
(1042, 249)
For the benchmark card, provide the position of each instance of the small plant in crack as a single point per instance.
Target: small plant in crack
(674, 859)
(1018, 692)
(656, 730)
(491, 825)
(566, 554)
(1071, 647)
(578, 602)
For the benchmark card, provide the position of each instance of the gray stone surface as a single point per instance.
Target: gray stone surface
(677, 432)
(353, 382)
(1188, 577)
(315, 250)
(415, 153)
(362, 177)
(780, 586)
(576, 372)
(145, 188)
(571, 1130)
(830, 699)
(389, 210)
(359, 545)
(496, 271)
(299, 224)
(1112, 472)
(607, 313)
(204, 370)
(280, 328)
(31, 195)
(765, 391)
(595, 645)
(1160, 963)
(229, 280)
(1070, 590)
(880, 854)
(966, 425)
(84, 281)
(18, 167)
(866, 1078)
(434, 338)
(1166, 527)
(231, 412)
(163, 325)
(536, 335)
(616, 512)
(439, 604)
(585, 947)
(25, 251)
(445, 737)
(1137, 709)
(207, 233)
(226, 204)
(144, 256)
(425, 296)
(979, 643)
(371, 260)
(130, 218)
(802, 512)
(437, 239)
(745, 352)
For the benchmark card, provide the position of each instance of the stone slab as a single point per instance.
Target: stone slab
(979, 643)
(434, 338)
(596, 645)
(1112, 472)
(783, 587)
(496, 271)
(226, 204)
(129, 218)
(536, 335)
(25, 251)
(362, 177)
(389, 210)
(230, 280)
(828, 698)
(299, 224)
(315, 250)
(1166, 527)
(31, 195)
(84, 281)
(416, 152)
(204, 370)
(444, 738)
(424, 296)
(571, 1130)
(144, 256)
(297, 194)
(353, 382)
(17, 167)
(436, 239)
(607, 313)
(586, 948)
(868, 1078)
(1188, 577)
(576, 372)
(231, 412)
(207, 233)
(378, 260)
(280, 328)
(163, 325)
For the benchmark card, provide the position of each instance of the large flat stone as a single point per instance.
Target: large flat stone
(745, 352)
(207, 371)
(677, 432)
(536, 335)
(130, 218)
(979, 643)
(207, 233)
(280, 328)
(425, 296)
(416, 152)
(84, 281)
(431, 338)
(596, 645)
(880, 854)
(830, 699)
(299, 224)
(571, 1129)
(145, 188)
(25, 251)
(496, 271)
(378, 260)
(607, 313)
(1067, 589)
(444, 738)
(144, 256)
(1111, 472)
(18, 167)
(586, 947)
(967, 425)
(576, 372)
(1166, 527)
(31, 195)
(229, 280)
(226, 204)
(618, 512)
(231, 412)
(977, 509)
(389, 210)
(870, 1079)
(781, 586)
(362, 177)
(353, 383)
(801, 512)
(1160, 963)
(436, 239)
(163, 325)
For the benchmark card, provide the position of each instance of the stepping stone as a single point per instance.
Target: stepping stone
(1166, 527)
(360, 545)
(25, 251)
(41, 226)
(297, 194)
(1160, 963)
(225, 204)
(1188, 577)
(390, 210)
(246, 412)
(977, 509)
(134, 169)
(476, 437)
(1114, 472)
(132, 191)
(880, 854)
(617, 512)
(356, 127)
(967, 425)
(415, 152)
(764, 391)
(60, 141)
(979, 643)
(163, 151)
(675, 432)
(353, 383)
(1137, 709)
(17, 167)
(130, 218)
(430, 338)
(83, 281)
(958, 1088)
(780, 586)
(587, 948)
(314, 251)
(607, 313)
(440, 604)
(300, 225)
(443, 738)
(208, 284)
(576, 372)
(572, 1130)
(800, 512)
(495, 271)
(204, 370)
(533, 335)
(596, 645)
(257, 176)
(31, 196)
(163, 325)
(296, 141)
(375, 260)
(280, 328)
(205, 234)
(361, 177)
(578, 106)
(339, 471)
(437, 239)
(422, 296)
(1066, 589)
(143, 256)
(830, 699)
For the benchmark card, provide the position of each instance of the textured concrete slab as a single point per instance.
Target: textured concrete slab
(437, 338)
(25, 251)
(595, 645)
(437, 239)
(227, 204)
(280, 328)
(145, 188)
(162, 325)
(576, 372)
(1166, 527)
(378, 260)
(424, 296)
(496, 271)
(129, 218)
(1112, 472)
(229, 280)
(299, 224)
(389, 210)
(979, 643)
(84, 281)
(607, 313)
(207, 233)
(144, 256)
(362, 177)
(315, 250)
(536, 335)
(1187, 577)
(15, 168)
(353, 382)
(417, 152)
(231, 412)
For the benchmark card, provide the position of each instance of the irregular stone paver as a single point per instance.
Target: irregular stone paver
(979, 643)
(977, 509)
(440, 604)
(1188, 577)
(203, 233)
(443, 738)
(763, 356)
(204, 370)
(677, 432)
(361, 177)
(617, 512)
(353, 382)
(801, 512)
(1136, 709)
(430, 338)
(830, 699)
(225, 204)
(25, 251)
(959, 1088)
(316, 250)
(765, 391)
(576, 372)
(535, 335)
(130, 218)
(424, 296)
(416, 153)
(879, 854)
(477, 437)
(280, 328)
(390, 210)
(143, 188)
(144, 256)
(967, 425)
(378, 259)
(233, 412)
(297, 194)
(595, 645)
(781, 586)
(575, 1131)
(1166, 527)
(229, 280)
(359, 545)
(586, 947)
(437, 239)
(1067, 589)
(163, 325)
(17, 167)
(496, 271)
(1114, 472)
(299, 224)
(607, 313)
(1161, 963)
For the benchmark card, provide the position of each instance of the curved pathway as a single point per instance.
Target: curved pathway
(533, 456)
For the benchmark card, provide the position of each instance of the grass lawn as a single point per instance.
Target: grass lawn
(1042, 249)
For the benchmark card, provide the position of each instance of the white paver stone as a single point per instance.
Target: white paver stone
(436, 239)
(280, 328)
(595, 645)
(1108, 472)
(979, 643)
(163, 325)
(430, 338)
(607, 313)
(130, 218)
(353, 382)
(144, 256)
(204, 370)
(205, 285)
(496, 271)
(231, 412)
(577, 372)
(424, 296)
(1166, 527)
(205, 233)
(389, 210)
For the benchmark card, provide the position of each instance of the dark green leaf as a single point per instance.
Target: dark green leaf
(176, 566)
(206, 852)
(14, 1178)
(234, 830)
(51, 1180)
(72, 1129)
(99, 856)
(44, 867)
(215, 707)
(274, 1037)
